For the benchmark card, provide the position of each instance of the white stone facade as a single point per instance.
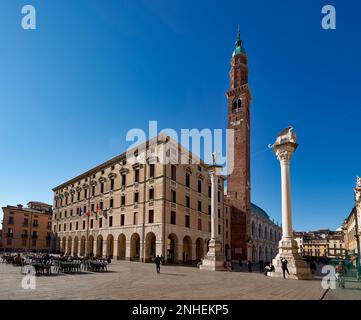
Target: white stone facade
(265, 235)
(159, 208)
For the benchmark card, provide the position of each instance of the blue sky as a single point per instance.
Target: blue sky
(71, 89)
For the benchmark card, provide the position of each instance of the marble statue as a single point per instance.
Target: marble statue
(286, 135)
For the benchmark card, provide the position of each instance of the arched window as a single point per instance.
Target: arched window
(270, 234)
(236, 105)
(265, 233)
(259, 230)
(253, 228)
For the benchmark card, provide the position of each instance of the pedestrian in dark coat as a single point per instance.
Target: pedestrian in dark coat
(249, 264)
(284, 263)
(157, 262)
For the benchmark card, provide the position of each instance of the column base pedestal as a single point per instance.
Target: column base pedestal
(214, 260)
(298, 268)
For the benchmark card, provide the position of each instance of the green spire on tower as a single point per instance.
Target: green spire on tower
(239, 45)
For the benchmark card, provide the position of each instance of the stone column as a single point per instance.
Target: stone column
(284, 147)
(214, 260)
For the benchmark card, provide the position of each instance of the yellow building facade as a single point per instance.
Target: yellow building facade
(27, 229)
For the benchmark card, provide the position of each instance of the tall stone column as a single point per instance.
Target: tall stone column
(214, 260)
(284, 147)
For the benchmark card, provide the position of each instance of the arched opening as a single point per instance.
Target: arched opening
(121, 246)
(172, 243)
(110, 246)
(82, 246)
(68, 251)
(187, 250)
(227, 252)
(253, 229)
(90, 246)
(150, 246)
(63, 245)
(99, 252)
(236, 105)
(199, 249)
(76, 245)
(135, 247)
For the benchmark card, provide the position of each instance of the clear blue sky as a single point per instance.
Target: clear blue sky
(70, 90)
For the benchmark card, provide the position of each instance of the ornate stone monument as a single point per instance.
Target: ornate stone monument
(214, 260)
(284, 147)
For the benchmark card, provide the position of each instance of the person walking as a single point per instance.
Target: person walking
(249, 264)
(284, 263)
(157, 262)
(240, 264)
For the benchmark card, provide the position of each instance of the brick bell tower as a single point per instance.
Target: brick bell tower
(239, 184)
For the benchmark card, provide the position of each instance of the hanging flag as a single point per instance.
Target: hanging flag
(88, 213)
(105, 214)
(97, 212)
(80, 212)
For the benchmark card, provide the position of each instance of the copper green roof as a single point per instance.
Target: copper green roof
(239, 45)
(257, 210)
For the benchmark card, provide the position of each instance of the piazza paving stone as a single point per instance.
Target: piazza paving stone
(134, 280)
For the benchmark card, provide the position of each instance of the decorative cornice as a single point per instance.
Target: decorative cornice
(102, 179)
(123, 170)
(112, 175)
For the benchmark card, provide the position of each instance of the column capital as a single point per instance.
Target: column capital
(215, 170)
(284, 152)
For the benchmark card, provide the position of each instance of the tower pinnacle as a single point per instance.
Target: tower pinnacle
(239, 45)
